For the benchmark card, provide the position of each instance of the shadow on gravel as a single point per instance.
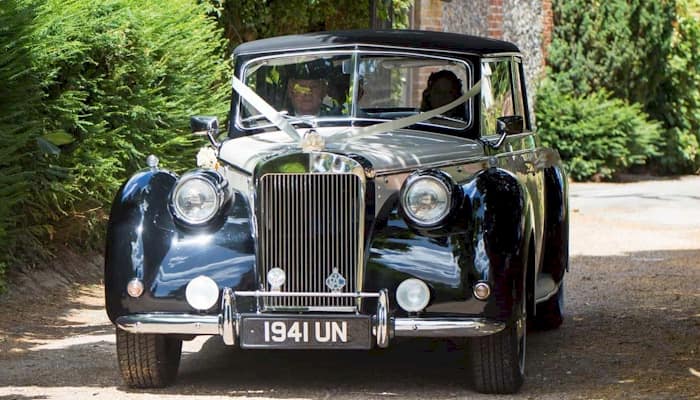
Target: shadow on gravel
(632, 327)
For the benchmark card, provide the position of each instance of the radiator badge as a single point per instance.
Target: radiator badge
(335, 281)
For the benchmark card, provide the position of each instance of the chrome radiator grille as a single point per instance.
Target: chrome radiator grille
(311, 225)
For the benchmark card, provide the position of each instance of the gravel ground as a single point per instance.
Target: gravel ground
(632, 329)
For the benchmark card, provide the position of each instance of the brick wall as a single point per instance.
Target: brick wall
(427, 15)
(548, 26)
(527, 23)
(494, 16)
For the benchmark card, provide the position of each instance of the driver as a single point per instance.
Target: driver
(307, 95)
(308, 89)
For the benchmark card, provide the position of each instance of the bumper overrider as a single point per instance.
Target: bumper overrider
(229, 324)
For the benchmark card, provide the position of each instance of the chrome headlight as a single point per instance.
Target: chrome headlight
(198, 196)
(426, 198)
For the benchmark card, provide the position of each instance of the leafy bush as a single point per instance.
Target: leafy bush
(19, 128)
(679, 107)
(596, 134)
(106, 82)
(642, 51)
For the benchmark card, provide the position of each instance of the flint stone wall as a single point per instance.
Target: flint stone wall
(524, 23)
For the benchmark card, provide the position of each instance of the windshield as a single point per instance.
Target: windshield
(356, 87)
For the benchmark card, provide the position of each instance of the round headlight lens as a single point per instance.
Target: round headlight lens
(196, 200)
(426, 200)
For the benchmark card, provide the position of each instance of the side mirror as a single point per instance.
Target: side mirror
(505, 126)
(509, 125)
(205, 125)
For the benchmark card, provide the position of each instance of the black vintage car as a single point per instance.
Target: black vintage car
(372, 185)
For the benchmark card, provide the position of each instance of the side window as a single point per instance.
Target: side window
(501, 93)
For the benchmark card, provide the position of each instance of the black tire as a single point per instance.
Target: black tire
(146, 360)
(550, 313)
(498, 361)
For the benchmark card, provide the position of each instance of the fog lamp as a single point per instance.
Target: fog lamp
(202, 293)
(134, 288)
(413, 295)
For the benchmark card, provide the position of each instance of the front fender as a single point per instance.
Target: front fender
(502, 220)
(556, 242)
(485, 240)
(144, 241)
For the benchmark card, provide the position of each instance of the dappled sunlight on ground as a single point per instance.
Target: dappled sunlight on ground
(618, 218)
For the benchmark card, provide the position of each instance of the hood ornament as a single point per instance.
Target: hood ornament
(312, 141)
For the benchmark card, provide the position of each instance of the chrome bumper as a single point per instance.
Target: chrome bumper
(384, 327)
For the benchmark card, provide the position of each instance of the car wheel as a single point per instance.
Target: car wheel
(146, 360)
(498, 361)
(550, 313)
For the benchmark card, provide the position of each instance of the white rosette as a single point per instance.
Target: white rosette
(206, 158)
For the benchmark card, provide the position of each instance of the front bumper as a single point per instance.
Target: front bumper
(384, 327)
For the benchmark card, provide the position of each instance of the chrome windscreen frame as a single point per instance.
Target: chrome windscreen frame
(355, 53)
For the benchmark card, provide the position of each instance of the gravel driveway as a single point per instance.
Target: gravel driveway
(632, 329)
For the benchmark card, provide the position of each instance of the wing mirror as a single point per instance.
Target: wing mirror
(204, 125)
(505, 126)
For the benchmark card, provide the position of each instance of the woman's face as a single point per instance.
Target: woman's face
(442, 92)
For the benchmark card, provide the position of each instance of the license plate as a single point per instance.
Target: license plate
(328, 332)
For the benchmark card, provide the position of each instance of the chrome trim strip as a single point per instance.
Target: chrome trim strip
(355, 46)
(338, 309)
(186, 324)
(419, 327)
(260, 293)
(499, 56)
(440, 164)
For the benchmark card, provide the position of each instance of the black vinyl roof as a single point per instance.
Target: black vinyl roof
(426, 40)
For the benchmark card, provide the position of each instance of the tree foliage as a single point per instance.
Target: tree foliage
(245, 20)
(640, 51)
(90, 89)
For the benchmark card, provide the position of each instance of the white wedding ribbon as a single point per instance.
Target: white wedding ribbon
(265, 109)
(357, 133)
(278, 119)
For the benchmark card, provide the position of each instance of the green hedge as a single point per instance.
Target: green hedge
(643, 52)
(596, 135)
(92, 88)
(19, 101)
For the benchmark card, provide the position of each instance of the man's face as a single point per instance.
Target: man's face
(306, 95)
